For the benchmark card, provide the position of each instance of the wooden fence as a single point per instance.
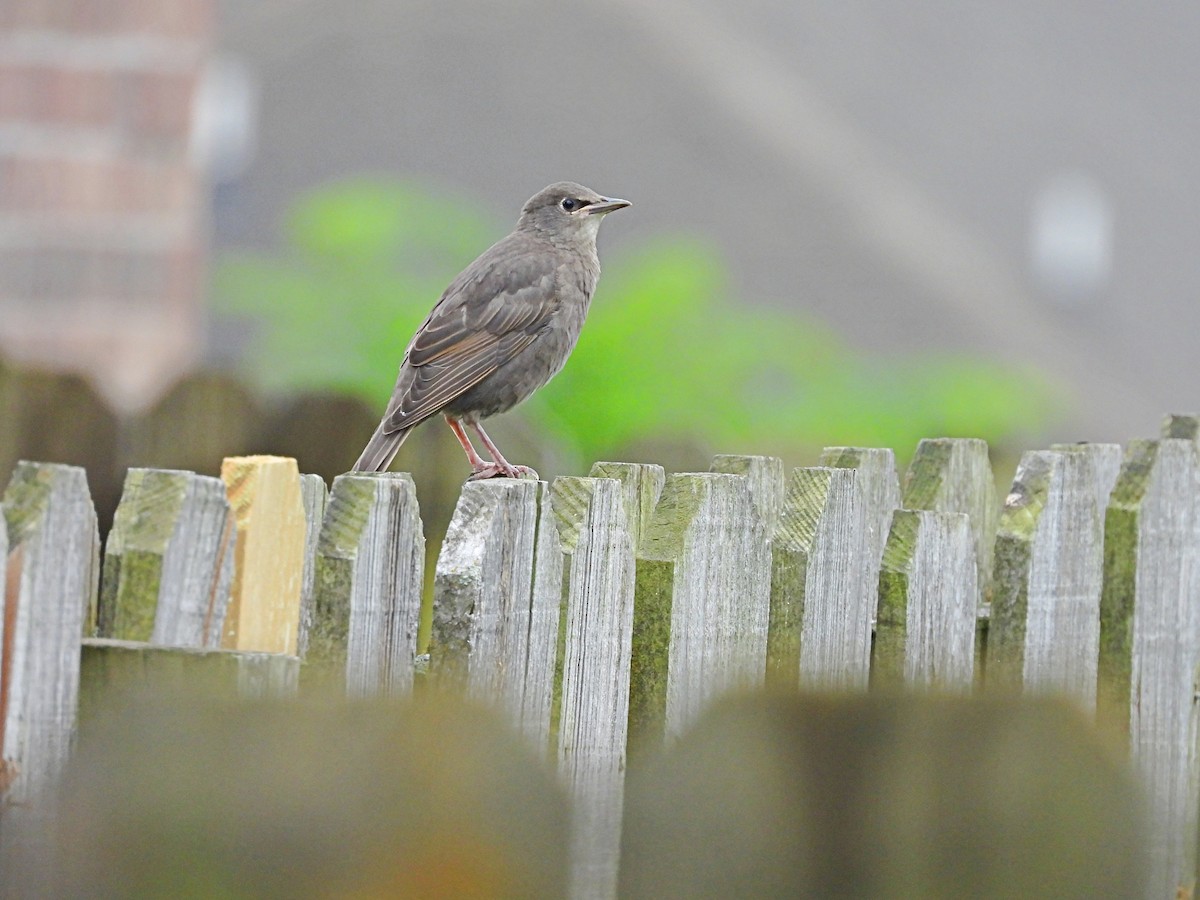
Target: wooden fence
(603, 615)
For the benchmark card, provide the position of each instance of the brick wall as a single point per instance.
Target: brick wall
(102, 214)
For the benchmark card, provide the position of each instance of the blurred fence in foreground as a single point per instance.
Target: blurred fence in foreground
(604, 617)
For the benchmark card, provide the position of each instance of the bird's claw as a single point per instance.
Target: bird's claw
(497, 470)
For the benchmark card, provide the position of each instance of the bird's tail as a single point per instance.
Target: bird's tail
(380, 450)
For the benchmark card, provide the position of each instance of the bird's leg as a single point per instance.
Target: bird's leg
(501, 466)
(481, 468)
(477, 462)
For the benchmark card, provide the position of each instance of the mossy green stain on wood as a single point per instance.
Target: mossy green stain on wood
(1181, 426)
(652, 599)
(668, 528)
(1121, 526)
(663, 544)
(891, 616)
(129, 588)
(842, 457)
(789, 570)
(131, 577)
(26, 498)
(1011, 560)
(926, 474)
(342, 528)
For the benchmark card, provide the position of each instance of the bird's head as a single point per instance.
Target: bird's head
(567, 212)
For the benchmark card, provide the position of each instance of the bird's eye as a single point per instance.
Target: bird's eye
(570, 204)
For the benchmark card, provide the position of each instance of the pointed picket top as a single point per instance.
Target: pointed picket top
(482, 595)
(702, 602)
(367, 585)
(1044, 629)
(264, 604)
(642, 484)
(766, 477)
(925, 631)
(820, 625)
(880, 488)
(1150, 640)
(955, 475)
(1179, 425)
(51, 572)
(168, 560)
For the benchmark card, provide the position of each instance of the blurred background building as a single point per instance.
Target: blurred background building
(1012, 182)
(103, 213)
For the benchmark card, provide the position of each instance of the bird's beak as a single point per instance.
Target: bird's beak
(606, 205)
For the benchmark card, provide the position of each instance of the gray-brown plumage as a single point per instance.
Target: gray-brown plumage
(503, 328)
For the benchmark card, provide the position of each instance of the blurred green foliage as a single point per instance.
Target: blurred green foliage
(668, 354)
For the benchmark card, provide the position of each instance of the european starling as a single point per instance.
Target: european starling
(503, 328)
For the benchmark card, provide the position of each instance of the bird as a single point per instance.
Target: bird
(502, 329)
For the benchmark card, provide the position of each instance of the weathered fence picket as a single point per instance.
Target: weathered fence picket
(820, 615)
(314, 495)
(928, 602)
(1150, 641)
(264, 603)
(52, 568)
(955, 475)
(702, 606)
(591, 709)
(1044, 630)
(880, 489)
(367, 580)
(483, 588)
(168, 560)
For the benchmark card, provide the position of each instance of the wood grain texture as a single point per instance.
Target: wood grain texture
(702, 603)
(264, 603)
(820, 626)
(925, 630)
(367, 585)
(955, 475)
(642, 483)
(879, 486)
(1106, 459)
(544, 661)
(766, 476)
(49, 601)
(1150, 641)
(168, 560)
(592, 691)
(482, 593)
(314, 495)
(1044, 631)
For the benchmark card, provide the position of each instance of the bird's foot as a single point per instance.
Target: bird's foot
(501, 470)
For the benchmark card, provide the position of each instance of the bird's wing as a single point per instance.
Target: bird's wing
(491, 312)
